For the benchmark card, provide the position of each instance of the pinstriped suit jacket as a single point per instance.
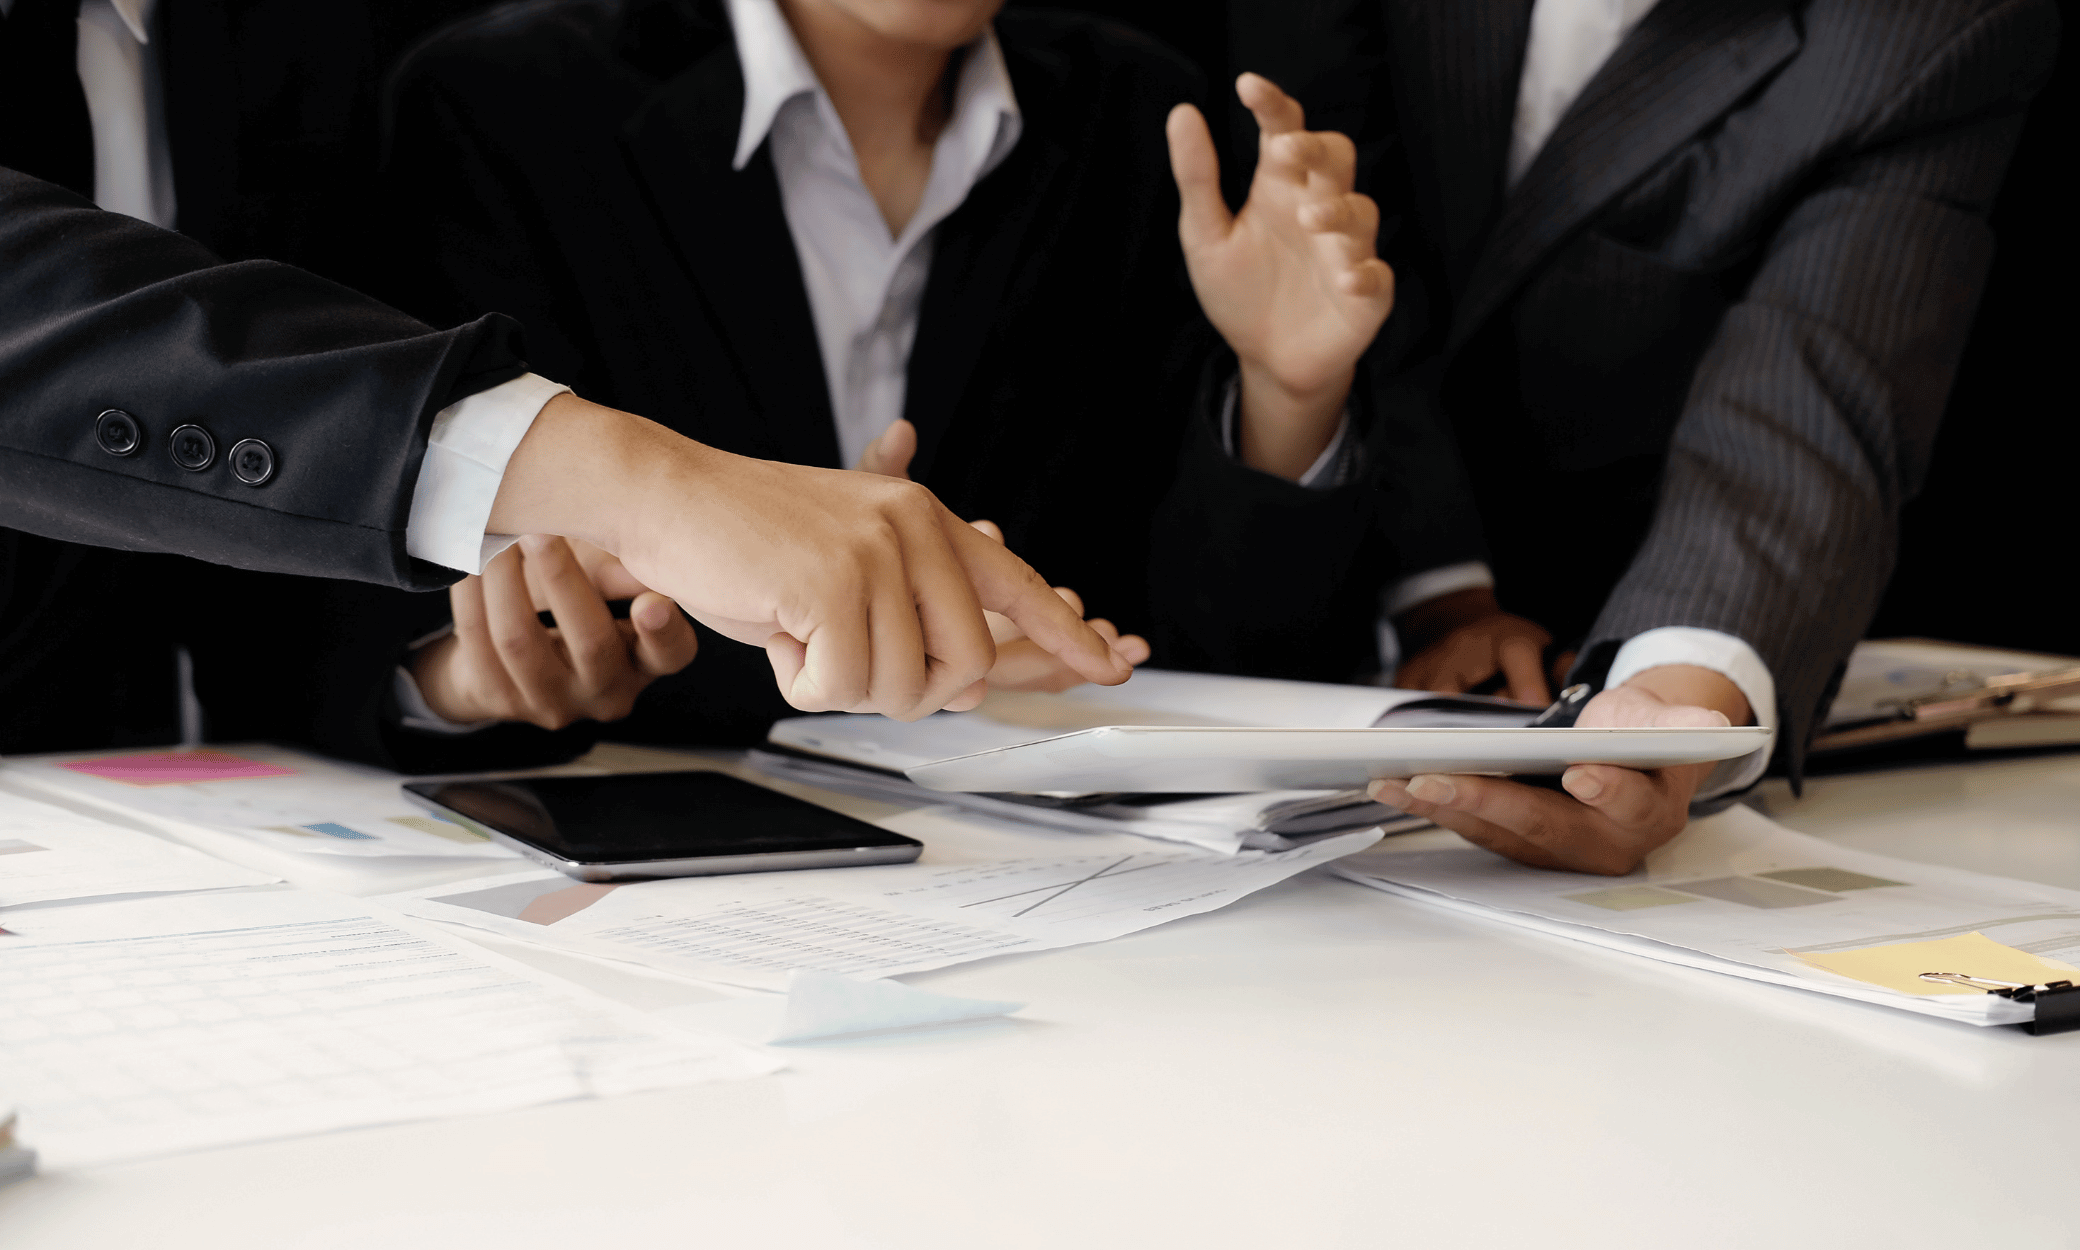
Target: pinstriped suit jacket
(1696, 358)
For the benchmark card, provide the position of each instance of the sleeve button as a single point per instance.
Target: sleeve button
(252, 462)
(118, 432)
(192, 448)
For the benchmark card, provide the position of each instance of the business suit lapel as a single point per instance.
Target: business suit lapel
(983, 252)
(730, 231)
(1687, 63)
(1456, 71)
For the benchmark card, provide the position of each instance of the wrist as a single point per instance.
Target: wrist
(1692, 685)
(1285, 427)
(581, 470)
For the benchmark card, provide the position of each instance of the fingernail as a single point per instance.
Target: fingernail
(1582, 785)
(1431, 788)
(652, 616)
(535, 544)
(1388, 791)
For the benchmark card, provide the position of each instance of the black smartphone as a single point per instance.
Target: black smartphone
(637, 826)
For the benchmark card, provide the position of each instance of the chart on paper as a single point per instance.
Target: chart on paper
(272, 795)
(866, 921)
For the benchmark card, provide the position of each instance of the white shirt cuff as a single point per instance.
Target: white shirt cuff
(466, 455)
(1327, 471)
(1723, 654)
(1428, 585)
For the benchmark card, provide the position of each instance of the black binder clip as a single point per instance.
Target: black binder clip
(2057, 1002)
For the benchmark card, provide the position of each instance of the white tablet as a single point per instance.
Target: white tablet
(1220, 758)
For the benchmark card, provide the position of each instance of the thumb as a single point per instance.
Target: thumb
(890, 453)
(1203, 219)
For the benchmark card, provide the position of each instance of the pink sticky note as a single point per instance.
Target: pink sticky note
(177, 768)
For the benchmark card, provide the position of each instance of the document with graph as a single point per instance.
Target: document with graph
(284, 799)
(960, 902)
(1741, 894)
(142, 1028)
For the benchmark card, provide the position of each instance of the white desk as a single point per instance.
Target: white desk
(1319, 1066)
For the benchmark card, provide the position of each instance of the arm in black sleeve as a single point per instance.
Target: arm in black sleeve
(1258, 575)
(1810, 418)
(101, 313)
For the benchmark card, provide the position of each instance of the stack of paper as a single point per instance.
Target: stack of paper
(1740, 894)
(867, 754)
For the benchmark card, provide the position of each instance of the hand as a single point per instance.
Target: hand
(1021, 663)
(1460, 640)
(502, 663)
(1291, 281)
(866, 593)
(1610, 817)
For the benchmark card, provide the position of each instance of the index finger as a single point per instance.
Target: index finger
(589, 637)
(1275, 111)
(1006, 584)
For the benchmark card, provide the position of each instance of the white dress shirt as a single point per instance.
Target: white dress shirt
(865, 285)
(470, 441)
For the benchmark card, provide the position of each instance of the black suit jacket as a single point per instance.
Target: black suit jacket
(110, 561)
(1695, 359)
(570, 162)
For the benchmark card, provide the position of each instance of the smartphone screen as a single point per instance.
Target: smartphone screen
(634, 818)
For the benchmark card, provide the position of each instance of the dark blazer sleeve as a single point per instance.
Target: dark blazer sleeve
(101, 312)
(1257, 575)
(1810, 417)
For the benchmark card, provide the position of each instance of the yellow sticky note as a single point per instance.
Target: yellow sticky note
(1900, 965)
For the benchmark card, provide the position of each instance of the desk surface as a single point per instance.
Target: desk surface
(1318, 1066)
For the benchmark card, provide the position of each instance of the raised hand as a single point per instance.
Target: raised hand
(502, 663)
(1291, 281)
(865, 592)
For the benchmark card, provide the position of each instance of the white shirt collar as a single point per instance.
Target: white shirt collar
(985, 110)
(137, 15)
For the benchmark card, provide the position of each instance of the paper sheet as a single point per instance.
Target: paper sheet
(1223, 823)
(48, 854)
(272, 795)
(1884, 672)
(1738, 893)
(1899, 965)
(142, 1028)
(959, 902)
(1150, 697)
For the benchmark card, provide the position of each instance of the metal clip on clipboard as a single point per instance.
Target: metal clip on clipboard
(2057, 1002)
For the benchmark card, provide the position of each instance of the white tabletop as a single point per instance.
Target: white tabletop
(1318, 1066)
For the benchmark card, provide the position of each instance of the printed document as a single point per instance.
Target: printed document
(1738, 893)
(271, 795)
(973, 894)
(142, 1028)
(48, 854)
